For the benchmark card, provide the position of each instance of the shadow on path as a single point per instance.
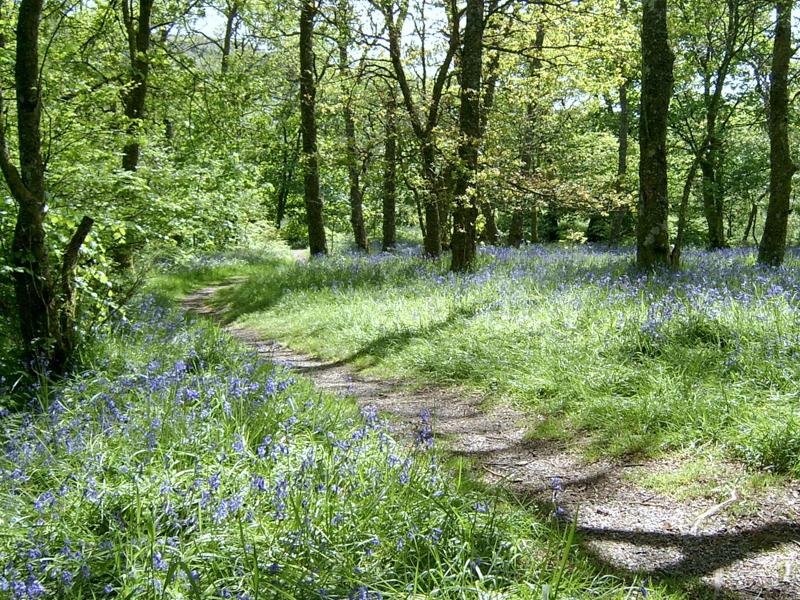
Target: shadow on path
(622, 525)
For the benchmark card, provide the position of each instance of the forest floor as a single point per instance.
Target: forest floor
(745, 546)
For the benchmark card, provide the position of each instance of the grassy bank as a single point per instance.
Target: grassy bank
(706, 356)
(178, 465)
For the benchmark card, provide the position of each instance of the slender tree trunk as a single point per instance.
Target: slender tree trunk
(288, 165)
(389, 240)
(773, 241)
(709, 151)
(423, 131)
(652, 234)
(516, 235)
(683, 211)
(351, 146)
(619, 214)
(137, 31)
(418, 203)
(469, 118)
(308, 99)
(33, 282)
(433, 239)
(46, 321)
(713, 208)
(490, 234)
(751, 220)
(133, 99)
(227, 42)
(516, 231)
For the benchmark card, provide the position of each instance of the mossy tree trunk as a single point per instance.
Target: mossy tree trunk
(45, 312)
(469, 120)
(354, 168)
(652, 232)
(308, 122)
(773, 241)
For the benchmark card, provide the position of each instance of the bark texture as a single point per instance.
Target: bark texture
(772, 249)
(469, 119)
(45, 313)
(652, 232)
(351, 146)
(137, 28)
(317, 243)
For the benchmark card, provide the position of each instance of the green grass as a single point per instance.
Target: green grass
(640, 365)
(174, 279)
(703, 473)
(179, 465)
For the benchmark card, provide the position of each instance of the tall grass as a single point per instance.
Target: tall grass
(639, 363)
(179, 465)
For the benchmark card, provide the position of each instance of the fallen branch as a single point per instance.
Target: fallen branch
(714, 510)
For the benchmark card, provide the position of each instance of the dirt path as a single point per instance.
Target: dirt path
(622, 524)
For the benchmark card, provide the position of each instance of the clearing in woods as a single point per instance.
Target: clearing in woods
(734, 546)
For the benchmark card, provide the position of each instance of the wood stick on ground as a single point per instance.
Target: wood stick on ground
(713, 511)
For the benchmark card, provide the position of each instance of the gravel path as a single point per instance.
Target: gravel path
(631, 528)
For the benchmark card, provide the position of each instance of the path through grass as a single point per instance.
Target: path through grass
(705, 356)
(180, 465)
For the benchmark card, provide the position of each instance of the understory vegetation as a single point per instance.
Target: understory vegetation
(641, 363)
(178, 464)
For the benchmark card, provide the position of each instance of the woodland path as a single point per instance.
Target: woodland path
(738, 550)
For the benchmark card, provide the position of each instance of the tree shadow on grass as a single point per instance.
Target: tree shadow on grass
(383, 346)
(262, 291)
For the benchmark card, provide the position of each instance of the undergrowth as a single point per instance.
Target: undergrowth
(179, 465)
(639, 363)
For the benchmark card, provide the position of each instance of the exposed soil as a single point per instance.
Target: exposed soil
(751, 553)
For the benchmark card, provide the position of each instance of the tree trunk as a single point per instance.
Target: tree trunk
(46, 322)
(288, 166)
(351, 146)
(227, 42)
(652, 233)
(515, 234)
(308, 119)
(516, 231)
(713, 203)
(490, 234)
(432, 241)
(133, 98)
(33, 284)
(469, 119)
(781, 167)
(619, 213)
(751, 220)
(389, 240)
(683, 211)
